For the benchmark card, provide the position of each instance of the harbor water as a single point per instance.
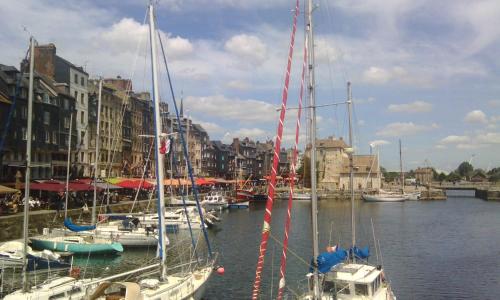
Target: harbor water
(430, 249)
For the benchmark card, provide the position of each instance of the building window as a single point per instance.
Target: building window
(54, 137)
(83, 98)
(82, 117)
(76, 96)
(66, 104)
(23, 133)
(66, 122)
(82, 156)
(47, 137)
(76, 78)
(82, 81)
(46, 118)
(24, 112)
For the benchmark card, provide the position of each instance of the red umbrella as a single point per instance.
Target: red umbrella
(135, 184)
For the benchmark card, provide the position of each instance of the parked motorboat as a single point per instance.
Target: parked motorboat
(214, 201)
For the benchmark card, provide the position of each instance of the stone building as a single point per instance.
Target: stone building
(222, 155)
(111, 131)
(65, 73)
(333, 167)
(50, 131)
(424, 175)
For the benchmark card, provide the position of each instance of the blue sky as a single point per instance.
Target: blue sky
(423, 71)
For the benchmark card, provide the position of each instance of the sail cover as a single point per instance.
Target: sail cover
(77, 228)
(362, 253)
(327, 260)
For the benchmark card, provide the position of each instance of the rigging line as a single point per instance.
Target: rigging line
(329, 57)
(315, 106)
(271, 188)
(128, 91)
(185, 150)
(142, 177)
(292, 176)
(290, 250)
(341, 56)
(172, 152)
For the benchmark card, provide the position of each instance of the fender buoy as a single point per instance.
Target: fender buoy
(74, 272)
(220, 270)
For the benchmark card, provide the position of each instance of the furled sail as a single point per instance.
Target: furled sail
(327, 260)
(77, 228)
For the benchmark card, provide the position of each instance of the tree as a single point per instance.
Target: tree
(441, 177)
(465, 169)
(453, 176)
(494, 175)
(305, 171)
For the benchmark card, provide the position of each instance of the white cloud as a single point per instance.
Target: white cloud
(376, 75)
(238, 85)
(455, 139)
(489, 138)
(414, 107)
(470, 146)
(249, 48)
(476, 116)
(404, 129)
(440, 147)
(233, 109)
(377, 143)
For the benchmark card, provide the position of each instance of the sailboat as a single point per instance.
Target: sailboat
(345, 274)
(385, 196)
(337, 273)
(182, 285)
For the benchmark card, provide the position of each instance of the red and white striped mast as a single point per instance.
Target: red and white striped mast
(292, 178)
(272, 182)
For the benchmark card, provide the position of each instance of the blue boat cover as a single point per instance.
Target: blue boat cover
(362, 253)
(77, 228)
(327, 260)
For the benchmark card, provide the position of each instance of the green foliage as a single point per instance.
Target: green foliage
(453, 176)
(494, 175)
(305, 171)
(465, 169)
(441, 177)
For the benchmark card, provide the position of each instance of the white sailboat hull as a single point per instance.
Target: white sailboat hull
(135, 238)
(384, 198)
(188, 286)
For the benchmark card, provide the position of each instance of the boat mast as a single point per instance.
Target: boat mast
(159, 157)
(67, 166)
(401, 174)
(351, 168)
(97, 140)
(312, 101)
(28, 166)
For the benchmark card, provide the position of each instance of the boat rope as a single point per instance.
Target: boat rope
(183, 200)
(308, 264)
(281, 284)
(142, 177)
(266, 228)
(185, 151)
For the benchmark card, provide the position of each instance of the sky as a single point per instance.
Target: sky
(426, 72)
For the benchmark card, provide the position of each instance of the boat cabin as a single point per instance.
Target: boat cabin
(354, 281)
